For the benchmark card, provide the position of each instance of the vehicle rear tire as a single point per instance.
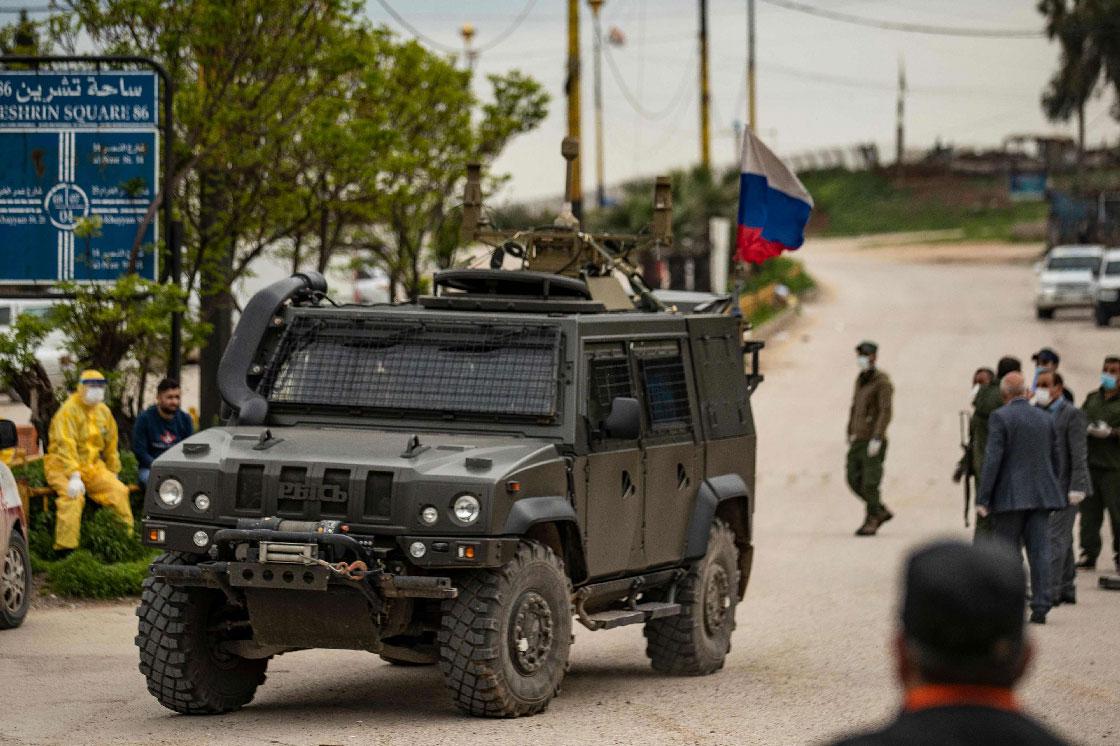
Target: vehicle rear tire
(1044, 313)
(504, 642)
(15, 582)
(180, 657)
(697, 641)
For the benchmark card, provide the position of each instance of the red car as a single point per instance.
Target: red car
(15, 580)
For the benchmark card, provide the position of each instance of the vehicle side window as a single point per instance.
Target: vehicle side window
(665, 385)
(608, 376)
(5, 315)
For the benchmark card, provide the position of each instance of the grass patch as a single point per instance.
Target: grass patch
(850, 203)
(82, 575)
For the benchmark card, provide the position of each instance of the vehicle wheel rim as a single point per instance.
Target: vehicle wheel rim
(531, 634)
(717, 599)
(15, 580)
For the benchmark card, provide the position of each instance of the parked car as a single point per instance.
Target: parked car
(50, 354)
(371, 286)
(15, 575)
(1064, 278)
(1106, 288)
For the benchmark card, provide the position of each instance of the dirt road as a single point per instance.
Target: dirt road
(810, 653)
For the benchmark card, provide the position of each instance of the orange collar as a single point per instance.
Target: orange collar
(929, 696)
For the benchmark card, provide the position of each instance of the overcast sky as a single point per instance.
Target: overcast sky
(821, 83)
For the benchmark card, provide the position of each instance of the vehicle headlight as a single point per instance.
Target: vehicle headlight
(202, 502)
(170, 492)
(466, 509)
(429, 515)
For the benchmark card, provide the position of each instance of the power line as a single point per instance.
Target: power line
(438, 46)
(633, 100)
(914, 28)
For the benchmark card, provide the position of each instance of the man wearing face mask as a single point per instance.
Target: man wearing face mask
(1102, 409)
(82, 459)
(1072, 469)
(867, 436)
(1046, 360)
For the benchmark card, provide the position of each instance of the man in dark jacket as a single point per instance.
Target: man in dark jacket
(1072, 470)
(1102, 410)
(867, 437)
(986, 400)
(159, 427)
(961, 651)
(1018, 488)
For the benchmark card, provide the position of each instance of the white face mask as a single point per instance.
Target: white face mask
(94, 395)
(1042, 397)
(975, 391)
(864, 362)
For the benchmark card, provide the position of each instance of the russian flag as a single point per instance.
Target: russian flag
(774, 205)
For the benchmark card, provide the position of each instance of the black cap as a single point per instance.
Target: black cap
(1007, 365)
(1046, 355)
(867, 347)
(965, 602)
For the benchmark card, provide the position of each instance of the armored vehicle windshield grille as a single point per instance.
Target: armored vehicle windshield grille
(443, 368)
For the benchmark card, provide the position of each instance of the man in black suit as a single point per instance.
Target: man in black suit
(1019, 485)
(961, 651)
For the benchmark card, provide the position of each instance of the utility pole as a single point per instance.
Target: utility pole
(572, 88)
(900, 140)
(705, 98)
(467, 32)
(600, 189)
(752, 120)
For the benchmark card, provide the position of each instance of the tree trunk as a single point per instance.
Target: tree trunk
(217, 299)
(1079, 168)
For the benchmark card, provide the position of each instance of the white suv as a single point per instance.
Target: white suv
(1065, 277)
(1106, 288)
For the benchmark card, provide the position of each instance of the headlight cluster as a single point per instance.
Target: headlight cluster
(170, 495)
(465, 509)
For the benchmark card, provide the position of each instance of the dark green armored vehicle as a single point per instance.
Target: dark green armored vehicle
(451, 482)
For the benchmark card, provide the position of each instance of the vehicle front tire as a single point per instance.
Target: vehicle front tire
(180, 656)
(697, 641)
(1101, 316)
(504, 642)
(1044, 313)
(15, 582)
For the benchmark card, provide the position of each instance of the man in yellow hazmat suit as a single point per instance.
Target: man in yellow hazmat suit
(82, 459)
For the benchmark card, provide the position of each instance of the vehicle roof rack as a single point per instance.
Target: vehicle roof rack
(501, 290)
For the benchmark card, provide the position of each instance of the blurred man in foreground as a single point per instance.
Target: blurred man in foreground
(961, 651)
(1018, 487)
(82, 459)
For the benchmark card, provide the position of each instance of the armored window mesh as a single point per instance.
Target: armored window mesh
(437, 368)
(666, 392)
(608, 378)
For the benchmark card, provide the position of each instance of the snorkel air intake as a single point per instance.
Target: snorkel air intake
(233, 372)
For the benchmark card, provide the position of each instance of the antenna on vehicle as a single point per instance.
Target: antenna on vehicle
(569, 148)
(472, 203)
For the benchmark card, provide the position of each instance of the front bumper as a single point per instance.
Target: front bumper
(439, 552)
(1048, 299)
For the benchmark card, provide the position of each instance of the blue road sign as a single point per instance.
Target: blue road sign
(77, 146)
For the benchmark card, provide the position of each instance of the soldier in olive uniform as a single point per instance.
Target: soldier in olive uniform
(867, 436)
(1102, 410)
(987, 400)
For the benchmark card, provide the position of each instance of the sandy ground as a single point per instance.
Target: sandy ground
(810, 653)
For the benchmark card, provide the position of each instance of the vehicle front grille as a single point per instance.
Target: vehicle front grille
(250, 487)
(291, 477)
(377, 501)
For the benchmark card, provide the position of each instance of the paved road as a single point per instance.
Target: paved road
(810, 654)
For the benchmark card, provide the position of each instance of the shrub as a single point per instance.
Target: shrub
(109, 539)
(83, 575)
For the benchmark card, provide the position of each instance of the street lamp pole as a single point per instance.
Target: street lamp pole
(600, 188)
(467, 32)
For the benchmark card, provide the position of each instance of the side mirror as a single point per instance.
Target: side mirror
(625, 420)
(9, 436)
